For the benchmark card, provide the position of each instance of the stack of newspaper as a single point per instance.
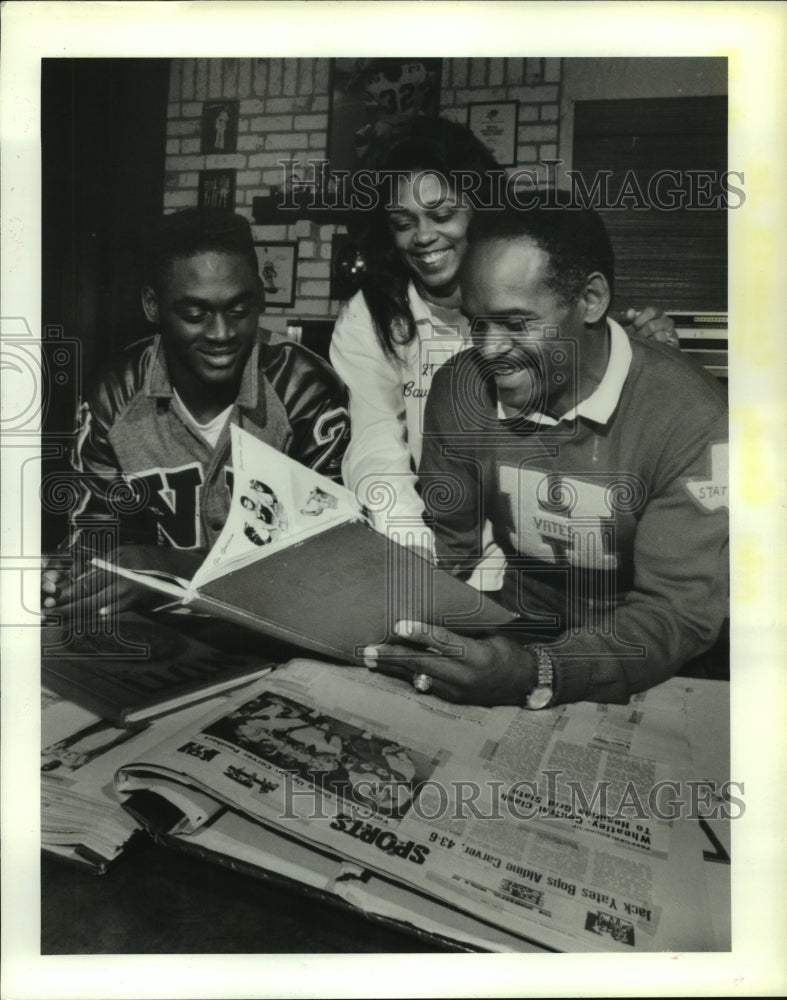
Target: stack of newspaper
(81, 818)
(574, 828)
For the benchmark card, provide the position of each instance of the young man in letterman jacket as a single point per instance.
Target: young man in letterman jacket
(601, 463)
(153, 451)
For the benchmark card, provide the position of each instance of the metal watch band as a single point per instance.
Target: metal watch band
(542, 693)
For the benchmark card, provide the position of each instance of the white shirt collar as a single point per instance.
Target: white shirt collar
(600, 404)
(443, 318)
(211, 431)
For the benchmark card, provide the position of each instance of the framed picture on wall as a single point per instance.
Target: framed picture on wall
(219, 127)
(278, 263)
(371, 98)
(216, 189)
(495, 124)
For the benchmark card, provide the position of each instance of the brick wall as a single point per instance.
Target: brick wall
(534, 83)
(284, 113)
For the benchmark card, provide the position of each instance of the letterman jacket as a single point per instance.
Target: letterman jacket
(142, 468)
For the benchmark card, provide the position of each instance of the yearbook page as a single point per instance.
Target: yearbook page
(276, 502)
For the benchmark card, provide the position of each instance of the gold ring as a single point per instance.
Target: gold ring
(422, 683)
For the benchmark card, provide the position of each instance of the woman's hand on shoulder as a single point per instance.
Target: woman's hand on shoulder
(650, 324)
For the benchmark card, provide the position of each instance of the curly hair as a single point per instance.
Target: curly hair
(434, 144)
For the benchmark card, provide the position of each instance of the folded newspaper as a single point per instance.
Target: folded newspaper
(81, 818)
(494, 814)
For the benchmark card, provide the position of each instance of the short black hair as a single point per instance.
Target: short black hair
(196, 230)
(574, 238)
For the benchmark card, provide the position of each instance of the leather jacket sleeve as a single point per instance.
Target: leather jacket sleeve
(316, 402)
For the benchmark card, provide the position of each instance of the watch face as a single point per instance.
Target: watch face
(539, 697)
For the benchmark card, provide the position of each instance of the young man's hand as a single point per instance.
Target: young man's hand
(651, 325)
(491, 671)
(96, 590)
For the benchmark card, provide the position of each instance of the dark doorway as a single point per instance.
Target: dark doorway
(103, 142)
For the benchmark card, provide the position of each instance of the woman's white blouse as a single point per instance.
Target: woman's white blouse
(387, 402)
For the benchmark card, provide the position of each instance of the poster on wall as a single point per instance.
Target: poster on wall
(278, 265)
(219, 127)
(495, 124)
(372, 98)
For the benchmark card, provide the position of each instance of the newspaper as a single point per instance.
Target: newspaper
(81, 818)
(493, 811)
(248, 847)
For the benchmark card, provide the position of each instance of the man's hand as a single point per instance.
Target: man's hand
(96, 590)
(489, 671)
(651, 325)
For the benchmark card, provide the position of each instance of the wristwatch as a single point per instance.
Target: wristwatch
(543, 692)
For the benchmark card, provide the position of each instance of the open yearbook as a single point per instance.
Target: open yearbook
(298, 561)
(482, 825)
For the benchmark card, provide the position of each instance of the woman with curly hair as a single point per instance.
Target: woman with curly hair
(406, 320)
